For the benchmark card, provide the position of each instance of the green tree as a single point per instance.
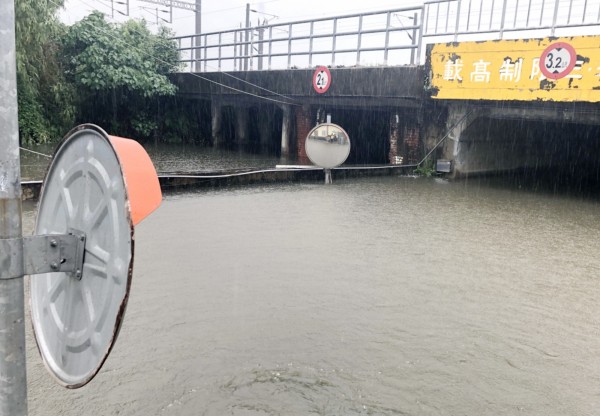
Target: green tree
(119, 71)
(45, 99)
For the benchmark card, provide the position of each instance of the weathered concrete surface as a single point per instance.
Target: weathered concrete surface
(493, 136)
(350, 87)
(491, 139)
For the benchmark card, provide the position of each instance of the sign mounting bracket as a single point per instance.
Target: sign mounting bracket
(47, 253)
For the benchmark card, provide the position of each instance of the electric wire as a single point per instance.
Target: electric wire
(34, 152)
(450, 130)
(204, 78)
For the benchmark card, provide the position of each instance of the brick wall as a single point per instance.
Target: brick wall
(304, 125)
(411, 144)
(393, 157)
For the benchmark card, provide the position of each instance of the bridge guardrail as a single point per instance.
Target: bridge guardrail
(388, 37)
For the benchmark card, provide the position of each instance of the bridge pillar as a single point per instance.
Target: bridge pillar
(304, 123)
(393, 157)
(473, 146)
(265, 127)
(404, 140)
(286, 130)
(410, 144)
(241, 127)
(216, 112)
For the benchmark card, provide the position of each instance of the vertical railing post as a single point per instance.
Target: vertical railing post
(387, 37)
(270, 44)
(247, 36)
(359, 44)
(421, 30)
(457, 21)
(469, 15)
(219, 57)
(235, 58)
(205, 52)
(437, 16)
(334, 41)
(261, 36)
(241, 49)
(503, 18)
(480, 15)
(252, 49)
(555, 16)
(289, 53)
(13, 375)
(413, 40)
(310, 44)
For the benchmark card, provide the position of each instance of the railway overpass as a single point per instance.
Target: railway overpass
(488, 86)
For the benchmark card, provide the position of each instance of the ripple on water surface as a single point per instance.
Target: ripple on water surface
(381, 296)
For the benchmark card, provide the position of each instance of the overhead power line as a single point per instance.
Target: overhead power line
(204, 78)
(174, 3)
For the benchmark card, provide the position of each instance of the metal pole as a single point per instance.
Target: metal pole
(327, 176)
(387, 38)
(247, 37)
(414, 40)
(360, 25)
(554, 17)
(334, 41)
(457, 21)
(502, 21)
(261, 36)
(421, 31)
(198, 38)
(310, 45)
(13, 376)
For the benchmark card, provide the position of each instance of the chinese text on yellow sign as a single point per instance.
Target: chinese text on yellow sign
(557, 69)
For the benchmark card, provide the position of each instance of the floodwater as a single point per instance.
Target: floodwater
(166, 158)
(373, 296)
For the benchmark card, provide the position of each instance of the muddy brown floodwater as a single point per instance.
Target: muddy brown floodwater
(375, 296)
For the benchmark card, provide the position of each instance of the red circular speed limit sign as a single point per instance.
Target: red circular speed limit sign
(321, 79)
(558, 60)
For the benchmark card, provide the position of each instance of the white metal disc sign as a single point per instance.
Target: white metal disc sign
(558, 60)
(77, 321)
(321, 79)
(327, 145)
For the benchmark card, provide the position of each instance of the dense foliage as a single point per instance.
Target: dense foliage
(45, 99)
(113, 75)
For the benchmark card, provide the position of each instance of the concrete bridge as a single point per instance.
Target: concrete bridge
(411, 82)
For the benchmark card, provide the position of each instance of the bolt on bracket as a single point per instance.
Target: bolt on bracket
(46, 253)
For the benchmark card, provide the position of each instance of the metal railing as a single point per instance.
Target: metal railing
(461, 19)
(389, 37)
(367, 38)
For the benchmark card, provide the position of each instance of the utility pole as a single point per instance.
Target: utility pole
(13, 380)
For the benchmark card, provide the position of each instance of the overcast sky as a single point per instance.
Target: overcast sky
(228, 14)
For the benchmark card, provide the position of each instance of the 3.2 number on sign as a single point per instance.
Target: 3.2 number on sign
(558, 60)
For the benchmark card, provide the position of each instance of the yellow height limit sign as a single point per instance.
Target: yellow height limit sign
(552, 69)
